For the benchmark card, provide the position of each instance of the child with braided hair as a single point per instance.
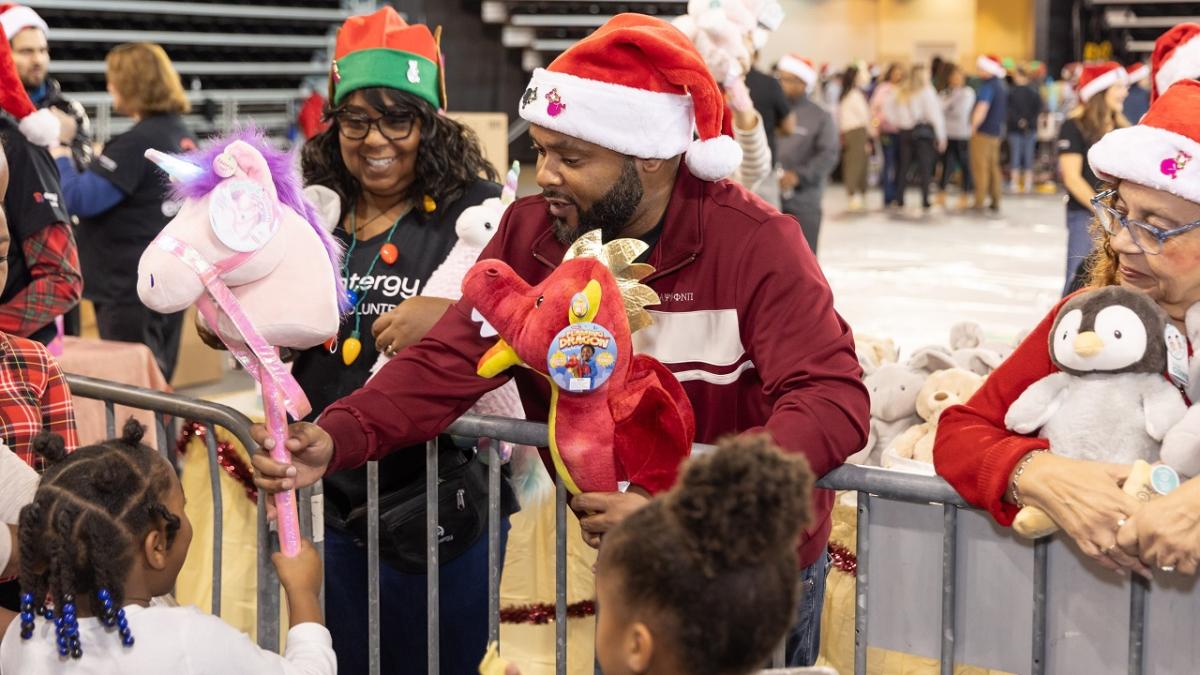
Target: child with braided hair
(105, 533)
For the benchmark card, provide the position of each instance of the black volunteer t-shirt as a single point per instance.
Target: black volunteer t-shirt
(1072, 140)
(33, 203)
(111, 244)
(770, 102)
(424, 241)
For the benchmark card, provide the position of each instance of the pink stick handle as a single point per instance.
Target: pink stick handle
(287, 517)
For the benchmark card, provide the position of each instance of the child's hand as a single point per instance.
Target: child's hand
(301, 574)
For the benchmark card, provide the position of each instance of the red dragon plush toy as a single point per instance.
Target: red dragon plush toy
(614, 415)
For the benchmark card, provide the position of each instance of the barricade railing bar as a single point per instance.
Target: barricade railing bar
(486, 434)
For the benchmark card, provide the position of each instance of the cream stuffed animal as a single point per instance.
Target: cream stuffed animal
(1181, 446)
(941, 390)
(894, 389)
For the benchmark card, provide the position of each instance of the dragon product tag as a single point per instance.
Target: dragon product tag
(242, 215)
(1177, 356)
(581, 357)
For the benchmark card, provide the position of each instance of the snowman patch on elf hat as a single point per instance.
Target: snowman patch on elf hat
(1162, 151)
(1098, 78)
(1176, 57)
(636, 86)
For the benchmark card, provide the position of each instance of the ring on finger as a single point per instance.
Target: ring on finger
(1167, 568)
(1121, 523)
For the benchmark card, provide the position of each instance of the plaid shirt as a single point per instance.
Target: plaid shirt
(53, 262)
(33, 396)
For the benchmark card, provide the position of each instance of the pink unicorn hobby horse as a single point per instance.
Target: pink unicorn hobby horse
(249, 251)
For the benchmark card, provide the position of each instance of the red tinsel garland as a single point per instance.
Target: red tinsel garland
(543, 613)
(843, 559)
(227, 456)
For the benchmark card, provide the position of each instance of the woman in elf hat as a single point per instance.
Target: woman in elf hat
(404, 172)
(1147, 225)
(1101, 90)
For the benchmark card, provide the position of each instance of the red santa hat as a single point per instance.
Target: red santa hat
(41, 127)
(1176, 57)
(1098, 77)
(639, 87)
(16, 18)
(1162, 151)
(991, 64)
(1136, 72)
(800, 67)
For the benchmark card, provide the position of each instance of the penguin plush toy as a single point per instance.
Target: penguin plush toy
(1110, 400)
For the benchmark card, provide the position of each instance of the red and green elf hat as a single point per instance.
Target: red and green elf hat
(382, 50)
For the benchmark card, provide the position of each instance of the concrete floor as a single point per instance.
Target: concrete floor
(911, 277)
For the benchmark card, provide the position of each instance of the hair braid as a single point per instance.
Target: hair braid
(80, 534)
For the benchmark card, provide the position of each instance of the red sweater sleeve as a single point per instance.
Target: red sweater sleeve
(417, 394)
(803, 350)
(974, 451)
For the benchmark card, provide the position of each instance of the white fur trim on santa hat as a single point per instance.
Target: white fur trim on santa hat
(19, 18)
(715, 158)
(1150, 156)
(1115, 76)
(41, 127)
(1183, 64)
(987, 65)
(634, 122)
(793, 65)
(1138, 73)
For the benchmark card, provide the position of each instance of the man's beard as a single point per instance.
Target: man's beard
(610, 214)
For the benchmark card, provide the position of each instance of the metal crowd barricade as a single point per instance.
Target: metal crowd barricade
(868, 484)
(168, 409)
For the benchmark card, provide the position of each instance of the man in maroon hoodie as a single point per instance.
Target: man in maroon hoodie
(746, 320)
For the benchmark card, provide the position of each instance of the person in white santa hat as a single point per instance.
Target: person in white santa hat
(987, 124)
(1101, 90)
(1148, 228)
(627, 128)
(1176, 57)
(1137, 101)
(809, 154)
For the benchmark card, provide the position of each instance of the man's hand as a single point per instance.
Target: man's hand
(311, 448)
(789, 180)
(600, 512)
(68, 126)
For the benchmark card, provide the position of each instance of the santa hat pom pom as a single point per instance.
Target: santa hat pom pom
(41, 128)
(715, 158)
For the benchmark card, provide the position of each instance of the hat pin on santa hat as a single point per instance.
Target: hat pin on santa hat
(1176, 57)
(636, 86)
(1162, 151)
(1099, 78)
(41, 127)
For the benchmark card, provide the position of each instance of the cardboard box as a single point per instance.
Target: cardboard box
(492, 129)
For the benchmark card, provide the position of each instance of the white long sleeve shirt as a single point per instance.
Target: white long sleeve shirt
(167, 641)
(18, 483)
(923, 108)
(854, 112)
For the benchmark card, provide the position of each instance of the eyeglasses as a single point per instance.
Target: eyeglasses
(1148, 238)
(357, 126)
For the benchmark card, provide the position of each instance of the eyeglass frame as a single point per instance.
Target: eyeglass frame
(1158, 233)
(376, 122)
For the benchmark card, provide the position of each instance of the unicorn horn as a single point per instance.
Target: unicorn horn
(178, 169)
(509, 193)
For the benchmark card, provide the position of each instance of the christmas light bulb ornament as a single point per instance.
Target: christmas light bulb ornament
(351, 348)
(389, 254)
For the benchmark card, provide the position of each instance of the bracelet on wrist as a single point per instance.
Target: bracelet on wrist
(1016, 478)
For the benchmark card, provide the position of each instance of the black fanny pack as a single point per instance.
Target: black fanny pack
(924, 132)
(462, 514)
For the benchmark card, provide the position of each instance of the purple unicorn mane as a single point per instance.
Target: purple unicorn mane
(287, 185)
